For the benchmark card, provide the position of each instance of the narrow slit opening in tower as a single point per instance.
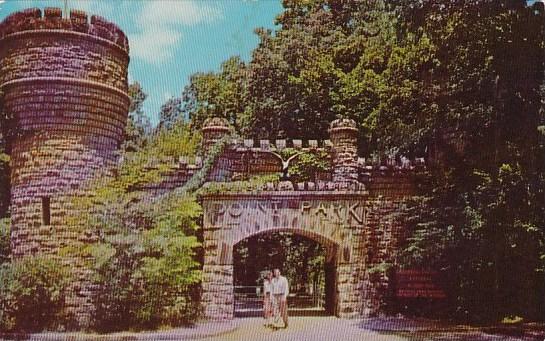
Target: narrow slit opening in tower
(46, 211)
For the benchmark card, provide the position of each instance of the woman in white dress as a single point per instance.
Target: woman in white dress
(267, 298)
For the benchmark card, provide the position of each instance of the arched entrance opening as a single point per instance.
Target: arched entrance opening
(306, 259)
(334, 219)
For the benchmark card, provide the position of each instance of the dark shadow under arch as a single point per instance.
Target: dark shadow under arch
(327, 293)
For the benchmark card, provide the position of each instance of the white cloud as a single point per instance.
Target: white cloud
(160, 26)
(103, 8)
(154, 45)
(176, 12)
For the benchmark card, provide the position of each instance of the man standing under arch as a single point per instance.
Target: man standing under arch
(280, 289)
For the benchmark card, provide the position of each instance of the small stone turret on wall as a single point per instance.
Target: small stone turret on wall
(65, 84)
(213, 129)
(344, 137)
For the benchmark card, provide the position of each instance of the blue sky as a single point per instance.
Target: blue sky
(172, 39)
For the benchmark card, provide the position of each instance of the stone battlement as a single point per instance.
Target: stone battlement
(278, 145)
(31, 20)
(365, 165)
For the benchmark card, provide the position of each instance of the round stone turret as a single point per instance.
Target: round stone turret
(344, 138)
(213, 130)
(64, 82)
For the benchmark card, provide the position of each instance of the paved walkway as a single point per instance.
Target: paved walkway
(311, 329)
(197, 332)
(304, 329)
(334, 329)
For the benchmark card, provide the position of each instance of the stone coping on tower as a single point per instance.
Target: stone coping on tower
(68, 80)
(52, 21)
(320, 186)
(343, 124)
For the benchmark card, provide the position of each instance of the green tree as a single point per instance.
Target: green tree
(32, 292)
(218, 94)
(171, 112)
(325, 62)
(461, 89)
(138, 126)
(145, 258)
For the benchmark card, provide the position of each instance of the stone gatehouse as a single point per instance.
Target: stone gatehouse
(64, 79)
(349, 211)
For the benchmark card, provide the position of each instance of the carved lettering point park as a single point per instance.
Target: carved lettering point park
(340, 222)
(345, 213)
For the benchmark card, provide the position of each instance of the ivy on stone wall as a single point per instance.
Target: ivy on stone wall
(254, 184)
(143, 252)
(4, 240)
(200, 177)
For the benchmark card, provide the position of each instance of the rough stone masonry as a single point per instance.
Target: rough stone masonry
(349, 210)
(65, 84)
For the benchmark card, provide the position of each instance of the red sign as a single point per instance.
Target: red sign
(414, 283)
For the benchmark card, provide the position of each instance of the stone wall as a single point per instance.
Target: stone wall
(356, 211)
(362, 229)
(65, 84)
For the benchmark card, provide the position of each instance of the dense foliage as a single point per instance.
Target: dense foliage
(459, 82)
(5, 248)
(308, 165)
(138, 126)
(299, 258)
(171, 112)
(483, 214)
(32, 292)
(223, 94)
(145, 257)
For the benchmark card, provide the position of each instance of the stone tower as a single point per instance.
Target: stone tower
(64, 81)
(213, 130)
(344, 137)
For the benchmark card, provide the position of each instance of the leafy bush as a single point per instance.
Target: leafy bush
(308, 165)
(253, 184)
(149, 277)
(5, 248)
(145, 259)
(32, 292)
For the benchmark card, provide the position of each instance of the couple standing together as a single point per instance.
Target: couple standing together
(275, 300)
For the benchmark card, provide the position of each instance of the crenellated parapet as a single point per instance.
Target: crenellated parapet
(245, 158)
(32, 20)
(75, 51)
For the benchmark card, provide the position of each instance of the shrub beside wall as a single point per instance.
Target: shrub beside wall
(5, 249)
(32, 292)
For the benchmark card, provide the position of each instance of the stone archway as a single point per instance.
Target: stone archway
(335, 218)
(301, 303)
